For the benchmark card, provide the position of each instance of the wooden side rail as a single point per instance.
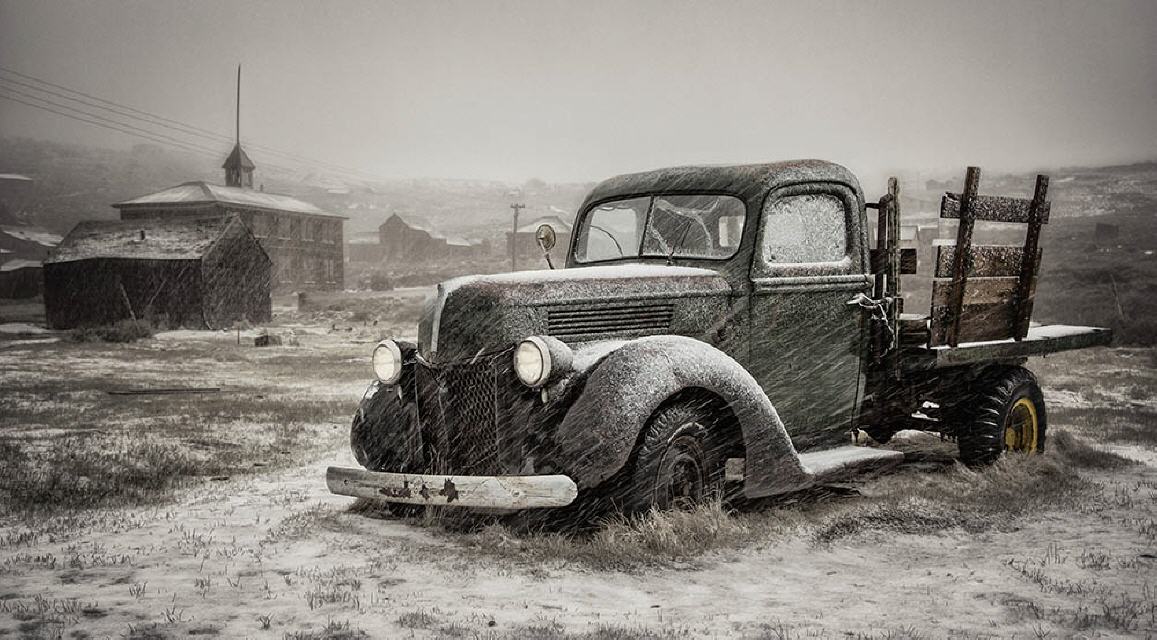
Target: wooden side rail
(985, 292)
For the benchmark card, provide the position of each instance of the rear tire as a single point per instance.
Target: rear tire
(675, 466)
(1005, 411)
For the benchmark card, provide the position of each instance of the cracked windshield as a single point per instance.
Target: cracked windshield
(667, 226)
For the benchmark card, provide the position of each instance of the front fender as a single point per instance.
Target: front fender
(625, 387)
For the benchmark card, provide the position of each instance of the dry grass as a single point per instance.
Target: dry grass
(907, 502)
(332, 631)
(69, 445)
(119, 332)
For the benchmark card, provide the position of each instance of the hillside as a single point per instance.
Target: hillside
(75, 182)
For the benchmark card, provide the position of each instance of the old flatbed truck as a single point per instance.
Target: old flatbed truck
(713, 327)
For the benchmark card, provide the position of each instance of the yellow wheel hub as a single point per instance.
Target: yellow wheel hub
(1021, 427)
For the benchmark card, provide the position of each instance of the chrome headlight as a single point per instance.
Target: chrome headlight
(539, 358)
(387, 362)
(532, 362)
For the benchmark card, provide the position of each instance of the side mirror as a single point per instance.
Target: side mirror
(546, 237)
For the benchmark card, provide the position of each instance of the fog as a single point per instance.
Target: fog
(577, 91)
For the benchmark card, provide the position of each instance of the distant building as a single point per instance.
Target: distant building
(304, 242)
(204, 273)
(526, 241)
(26, 242)
(364, 247)
(405, 240)
(21, 279)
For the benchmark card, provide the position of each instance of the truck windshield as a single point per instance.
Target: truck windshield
(676, 226)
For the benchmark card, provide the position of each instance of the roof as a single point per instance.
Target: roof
(31, 234)
(409, 222)
(151, 239)
(13, 265)
(201, 192)
(15, 176)
(744, 181)
(558, 223)
(459, 241)
(238, 157)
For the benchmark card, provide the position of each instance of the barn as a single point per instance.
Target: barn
(201, 273)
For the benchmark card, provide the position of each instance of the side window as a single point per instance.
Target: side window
(804, 229)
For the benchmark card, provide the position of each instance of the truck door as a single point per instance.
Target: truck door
(806, 340)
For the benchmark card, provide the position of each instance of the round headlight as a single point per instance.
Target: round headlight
(387, 362)
(532, 362)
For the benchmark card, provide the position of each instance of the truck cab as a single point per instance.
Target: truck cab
(712, 326)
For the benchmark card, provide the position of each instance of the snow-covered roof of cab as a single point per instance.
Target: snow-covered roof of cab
(744, 181)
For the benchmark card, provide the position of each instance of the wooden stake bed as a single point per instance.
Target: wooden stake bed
(986, 292)
(1040, 340)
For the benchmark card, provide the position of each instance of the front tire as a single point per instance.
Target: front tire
(1005, 412)
(675, 467)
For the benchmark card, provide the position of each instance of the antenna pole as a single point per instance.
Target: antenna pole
(237, 112)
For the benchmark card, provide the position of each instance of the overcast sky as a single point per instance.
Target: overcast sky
(582, 90)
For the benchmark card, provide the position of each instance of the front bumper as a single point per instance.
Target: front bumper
(494, 492)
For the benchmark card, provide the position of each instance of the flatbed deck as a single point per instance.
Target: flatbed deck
(1041, 340)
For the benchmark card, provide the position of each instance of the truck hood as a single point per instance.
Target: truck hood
(481, 314)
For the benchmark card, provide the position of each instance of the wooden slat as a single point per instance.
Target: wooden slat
(1040, 340)
(1029, 267)
(987, 261)
(951, 333)
(978, 322)
(993, 208)
(894, 270)
(977, 290)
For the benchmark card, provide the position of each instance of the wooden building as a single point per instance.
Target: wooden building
(202, 273)
(27, 242)
(403, 240)
(21, 278)
(304, 242)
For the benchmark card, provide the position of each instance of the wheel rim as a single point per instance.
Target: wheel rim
(682, 478)
(1021, 427)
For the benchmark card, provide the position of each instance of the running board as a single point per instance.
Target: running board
(831, 462)
(820, 465)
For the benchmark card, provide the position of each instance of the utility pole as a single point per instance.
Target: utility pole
(514, 237)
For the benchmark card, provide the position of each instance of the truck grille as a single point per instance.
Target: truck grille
(574, 321)
(460, 409)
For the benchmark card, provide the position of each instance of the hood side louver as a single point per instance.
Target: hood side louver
(577, 321)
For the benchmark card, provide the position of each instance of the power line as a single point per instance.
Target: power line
(100, 117)
(123, 127)
(98, 99)
(126, 114)
(177, 125)
(105, 126)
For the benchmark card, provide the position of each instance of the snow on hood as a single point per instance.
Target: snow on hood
(504, 302)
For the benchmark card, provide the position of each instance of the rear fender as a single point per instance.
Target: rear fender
(628, 384)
